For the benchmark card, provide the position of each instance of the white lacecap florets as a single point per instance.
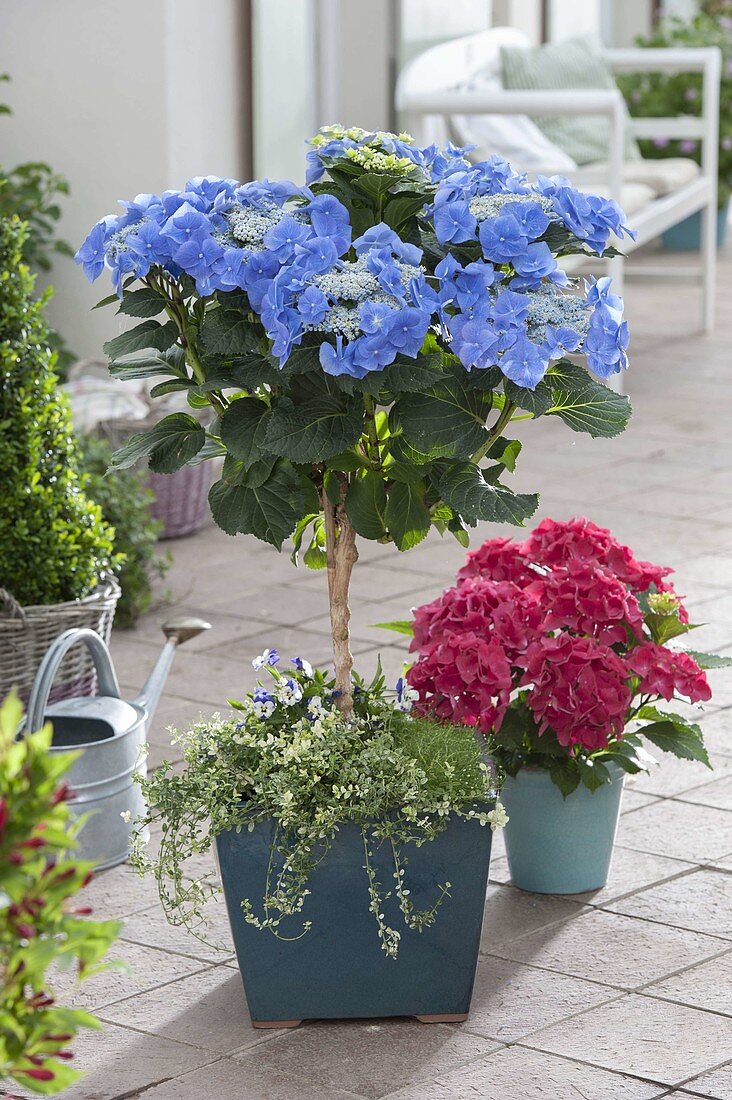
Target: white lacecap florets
(249, 223)
(490, 206)
(349, 287)
(546, 307)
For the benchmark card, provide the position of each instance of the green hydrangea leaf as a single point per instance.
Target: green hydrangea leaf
(269, 511)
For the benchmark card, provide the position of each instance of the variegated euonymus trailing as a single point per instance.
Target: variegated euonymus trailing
(363, 342)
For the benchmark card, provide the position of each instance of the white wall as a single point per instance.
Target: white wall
(121, 96)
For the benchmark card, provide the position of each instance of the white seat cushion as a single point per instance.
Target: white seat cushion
(514, 137)
(662, 176)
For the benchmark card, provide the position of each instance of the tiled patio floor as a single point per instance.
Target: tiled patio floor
(624, 994)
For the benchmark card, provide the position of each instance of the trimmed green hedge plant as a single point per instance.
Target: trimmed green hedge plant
(54, 544)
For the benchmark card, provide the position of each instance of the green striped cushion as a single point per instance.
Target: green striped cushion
(563, 66)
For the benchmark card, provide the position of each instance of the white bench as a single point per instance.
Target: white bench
(657, 194)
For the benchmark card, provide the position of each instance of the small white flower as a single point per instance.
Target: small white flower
(288, 692)
(126, 816)
(265, 709)
(270, 657)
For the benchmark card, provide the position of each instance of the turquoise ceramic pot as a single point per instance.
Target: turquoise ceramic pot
(557, 845)
(686, 236)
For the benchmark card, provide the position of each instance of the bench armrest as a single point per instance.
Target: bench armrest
(606, 102)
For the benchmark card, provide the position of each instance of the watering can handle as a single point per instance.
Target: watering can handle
(108, 684)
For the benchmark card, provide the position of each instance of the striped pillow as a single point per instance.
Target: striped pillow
(563, 66)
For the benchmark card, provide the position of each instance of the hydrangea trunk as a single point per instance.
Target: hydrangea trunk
(342, 555)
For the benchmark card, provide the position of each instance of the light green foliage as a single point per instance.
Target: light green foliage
(126, 500)
(310, 770)
(662, 95)
(54, 545)
(39, 927)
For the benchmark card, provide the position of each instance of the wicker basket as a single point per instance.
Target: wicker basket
(181, 498)
(27, 632)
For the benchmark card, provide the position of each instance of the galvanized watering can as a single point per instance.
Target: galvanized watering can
(110, 733)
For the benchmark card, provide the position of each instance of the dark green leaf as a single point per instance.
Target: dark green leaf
(412, 375)
(174, 385)
(584, 404)
(227, 333)
(672, 733)
(172, 361)
(243, 427)
(366, 506)
(315, 430)
(150, 334)
(170, 444)
(566, 776)
(106, 301)
(709, 660)
(401, 208)
(464, 488)
(593, 773)
(268, 511)
(446, 421)
(407, 516)
(535, 401)
(144, 302)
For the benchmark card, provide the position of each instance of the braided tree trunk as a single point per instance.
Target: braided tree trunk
(340, 545)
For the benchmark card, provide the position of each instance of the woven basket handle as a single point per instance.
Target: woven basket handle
(108, 684)
(15, 609)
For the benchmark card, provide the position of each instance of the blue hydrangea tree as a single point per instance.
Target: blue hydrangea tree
(363, 342)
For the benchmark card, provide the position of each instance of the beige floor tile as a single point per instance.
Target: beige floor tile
(207, 1009)
(717, 1084)
(673, 776)
(612, 949)
(707, 986)
(510, 913)
(369, 1058)
(718, 793)
(230, 1080)
(139, 969)
(641, 1036)
(630, 871)
(118, 892)
(118, 1062)
(680, 830)
(717, 730)
(518, 1074)
(701, 901)
(151, 929)
(511, 1000)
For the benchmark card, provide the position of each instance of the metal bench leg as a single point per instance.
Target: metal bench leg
(709, 263)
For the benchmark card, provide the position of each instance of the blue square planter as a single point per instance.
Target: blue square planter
(337, 970)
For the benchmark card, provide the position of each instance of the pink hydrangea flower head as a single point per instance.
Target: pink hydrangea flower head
(498, 560)
(667, 672)
(483, 607)
(579, 690)
(463, 679)
(554, 543)
(585, 598)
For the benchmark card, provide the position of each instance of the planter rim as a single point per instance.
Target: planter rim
(534, 774)
(108, 588)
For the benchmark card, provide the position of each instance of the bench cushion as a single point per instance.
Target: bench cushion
(662, 176)
(575, 64)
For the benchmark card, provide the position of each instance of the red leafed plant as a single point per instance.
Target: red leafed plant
(556, 648)
(40, 924)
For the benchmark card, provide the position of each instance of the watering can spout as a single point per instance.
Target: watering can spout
(176, 632)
